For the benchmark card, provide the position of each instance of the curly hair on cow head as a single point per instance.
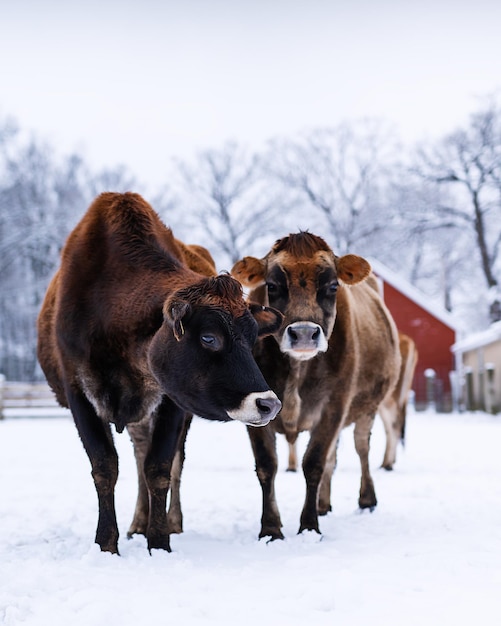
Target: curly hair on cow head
(221, 291)
(301, 244)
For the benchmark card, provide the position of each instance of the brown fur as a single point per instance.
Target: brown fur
(328, 390)
(392, 410)
(136, 330)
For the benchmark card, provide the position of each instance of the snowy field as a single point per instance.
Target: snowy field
(429, 555)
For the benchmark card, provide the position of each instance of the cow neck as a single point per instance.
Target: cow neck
(291, 402)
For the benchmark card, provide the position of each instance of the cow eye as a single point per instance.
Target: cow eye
(332, 288)
(212, 342)
(272, 288)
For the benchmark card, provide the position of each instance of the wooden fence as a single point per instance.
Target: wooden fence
(18, 398)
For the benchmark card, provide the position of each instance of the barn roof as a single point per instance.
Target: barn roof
(407, 289)
(478, 340)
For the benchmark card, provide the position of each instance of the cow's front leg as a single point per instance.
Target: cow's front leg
(157, 469)
(322, 441)
(263, 443)
(98, 443)
(362, 434)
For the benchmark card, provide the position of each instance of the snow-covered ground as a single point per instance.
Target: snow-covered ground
(429, 555)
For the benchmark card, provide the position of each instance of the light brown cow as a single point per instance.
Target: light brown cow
(392, 410)
(331, 363)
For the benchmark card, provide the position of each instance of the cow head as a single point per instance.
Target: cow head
(202, 354)
(300, 277)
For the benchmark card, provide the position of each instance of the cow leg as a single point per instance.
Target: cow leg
(389, 416)
(263, 442)
(140, 436)
(98, 443)
(292, 464)
(324, 491)
(157, 470)
(362, 435)
(175, 514)
(322, 439)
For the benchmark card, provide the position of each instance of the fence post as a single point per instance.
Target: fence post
(470, 392)
(2, 382)
(430, 376)
(490, 392)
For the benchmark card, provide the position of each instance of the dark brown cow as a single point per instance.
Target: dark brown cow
(393, 409)
(331, 363)
(129, 335)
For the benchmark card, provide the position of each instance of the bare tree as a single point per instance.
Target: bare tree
(223, 194)
(41, 198)
(341, 174)
(467, 163)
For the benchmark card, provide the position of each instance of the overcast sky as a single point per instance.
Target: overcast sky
(137, 82)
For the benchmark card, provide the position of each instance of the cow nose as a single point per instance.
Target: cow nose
(304, 336)
(268, 407)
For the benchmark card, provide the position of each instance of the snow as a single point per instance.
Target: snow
(430, 553)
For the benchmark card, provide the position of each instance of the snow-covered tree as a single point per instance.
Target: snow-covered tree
(338, 178)
(467, 164)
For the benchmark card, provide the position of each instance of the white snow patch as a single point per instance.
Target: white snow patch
(429, 554)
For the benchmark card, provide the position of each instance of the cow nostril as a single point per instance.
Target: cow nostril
(292, 334)
(266, 406)
(316, 334)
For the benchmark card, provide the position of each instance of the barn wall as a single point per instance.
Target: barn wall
(433, 340)
(476, 360)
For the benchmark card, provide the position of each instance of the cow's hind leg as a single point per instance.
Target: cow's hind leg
(140, 436)
(175, 514)
(98, 442)
(389, 416)
(362, 434)
(324, 491)
(263, 443)
(157, 470)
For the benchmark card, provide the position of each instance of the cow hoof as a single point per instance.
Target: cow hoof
(311, 528)
(159, 542)
(135, 530)
(163, 546)
(370, 508)
(271, 535)
(388, 467)
(291, 469)
(112, 548)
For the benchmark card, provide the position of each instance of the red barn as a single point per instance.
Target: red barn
(432, 328)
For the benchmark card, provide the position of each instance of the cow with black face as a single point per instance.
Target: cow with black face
(136, 330)
(332, 361)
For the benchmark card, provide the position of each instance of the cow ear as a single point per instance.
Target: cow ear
(268, 319)
(352, 269)
(174, 312)
(249, 271)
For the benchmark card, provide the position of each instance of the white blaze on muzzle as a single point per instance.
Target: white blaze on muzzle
(303, 340)
(257, 409)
